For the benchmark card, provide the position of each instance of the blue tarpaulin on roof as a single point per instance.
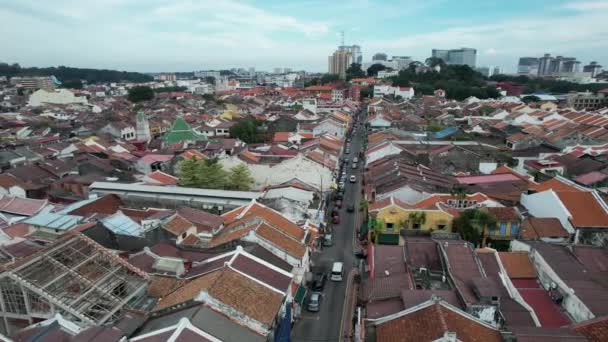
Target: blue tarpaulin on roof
(283, 333)
(444, 133)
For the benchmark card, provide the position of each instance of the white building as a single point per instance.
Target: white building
(300, 167)
(59, 96)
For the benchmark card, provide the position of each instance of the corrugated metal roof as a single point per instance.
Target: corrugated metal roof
(54, 221)
(175, 190)
(121, 224)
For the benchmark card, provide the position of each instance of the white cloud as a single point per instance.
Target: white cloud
(491, 51)
(586, 32)
(587, 5)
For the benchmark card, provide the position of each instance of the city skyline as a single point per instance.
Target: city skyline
(193, 35)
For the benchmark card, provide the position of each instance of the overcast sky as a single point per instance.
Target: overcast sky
(186, 35)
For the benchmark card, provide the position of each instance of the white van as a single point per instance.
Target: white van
(337, 271)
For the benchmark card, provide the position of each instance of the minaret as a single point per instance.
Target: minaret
(142, 130)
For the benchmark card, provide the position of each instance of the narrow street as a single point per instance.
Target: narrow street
(325, 325)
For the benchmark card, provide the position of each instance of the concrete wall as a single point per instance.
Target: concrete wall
(547, 204)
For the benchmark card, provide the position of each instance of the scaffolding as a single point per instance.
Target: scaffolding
(75, 277)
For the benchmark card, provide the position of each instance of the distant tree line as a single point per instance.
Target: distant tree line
(458, 81)
(533, 84)
(66, 74)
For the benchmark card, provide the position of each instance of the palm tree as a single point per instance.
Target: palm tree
(378, 227)
(482, 220)
(472, 224)
(418, 218)
(459, 192)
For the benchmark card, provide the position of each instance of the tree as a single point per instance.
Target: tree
(367, 92)
(188, 169)
(140, 93)
(72, 84)
(434, 61)
(530, 98)
(329, 78)
(240, 178)
(211, 174)
(246, 130)
(378, 227)
(354, 71)
(472, 224)
(374, 68)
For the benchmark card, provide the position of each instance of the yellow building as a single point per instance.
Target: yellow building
(394, 215)
(231, 112)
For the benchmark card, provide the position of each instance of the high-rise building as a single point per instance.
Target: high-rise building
(340, 61)
(528, 66)
(549, 65)
(497, 71)
(278, 70)
(380, 56)
(355, 50)
(401, 62)
(593, 68)
(462, 56)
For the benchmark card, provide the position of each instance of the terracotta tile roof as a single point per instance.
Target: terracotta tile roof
(194, 154)
(106, 205)
(259, 271)
(203, 220)
(162, 178)
(187, 292)
(161, 286)
(281, 240)
(17, 230)
(246, 296)
(535, 228)
(386, 202)
(267, 214)
(595, 330)
(585, 209)
(555, 184)
(223, 238)
(250, 156)
(432, 322)
(503, 214)
(517, 264)
(190, 240)
(21, 206)
(177, 225)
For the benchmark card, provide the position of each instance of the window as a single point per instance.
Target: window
(441, 226)
(416, 225)
(389, 227)
(503, 228)
(513, 229)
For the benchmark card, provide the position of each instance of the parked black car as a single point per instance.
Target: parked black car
(318, 282)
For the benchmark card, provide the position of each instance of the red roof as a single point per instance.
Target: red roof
(596, 330)
(555, 184)
(487, 179)
(548, 313)
(585, 209)
(161, 178)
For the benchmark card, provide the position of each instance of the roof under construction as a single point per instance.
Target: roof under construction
(74, 276)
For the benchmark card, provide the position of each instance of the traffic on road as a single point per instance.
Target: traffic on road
(339, 252)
